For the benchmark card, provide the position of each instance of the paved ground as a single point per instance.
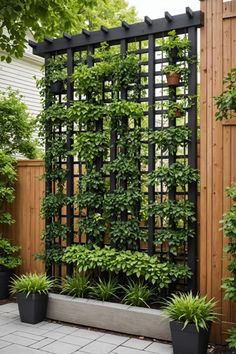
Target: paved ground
(45, 337)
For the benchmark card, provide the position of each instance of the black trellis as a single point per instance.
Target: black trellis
(145, 37)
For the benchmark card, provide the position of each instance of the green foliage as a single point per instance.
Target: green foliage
(232, 338)
(129, 263)
(121, 200)
(189, 309)
(175, 43)
(226, 101)
(137, 294)
(55, 230)
(53, 203)
(16, 125)
(89, 145)
(170, 139)
(180, 69)
(105, 290)
(175, 238)
(127, 233)
(93, 225)
(9, 258)
(31, 283)
(51, 255)
(177, 174)
(83, 112)
(174, 211)
(123, 166)
(76, 286)
(229, 228)
(175, 109)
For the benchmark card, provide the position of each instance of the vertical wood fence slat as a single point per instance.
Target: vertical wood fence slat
(218, 151)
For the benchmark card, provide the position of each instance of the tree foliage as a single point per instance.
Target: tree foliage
(53, 17)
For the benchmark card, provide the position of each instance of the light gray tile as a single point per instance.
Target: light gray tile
(12, 338)
(86, 333)
(47, 326)
(126, 350)
(3, 344)
(42, 343)
(60, 348)
(9, 307)
(28, 335)
(137, 343)
(18, 349)
(159, 348)
(55, 335)
(113, 339)
(76, 340)
(99, 348)
(67, 329)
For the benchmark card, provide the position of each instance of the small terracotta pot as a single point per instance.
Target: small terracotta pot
(178, 114)
(173, 79)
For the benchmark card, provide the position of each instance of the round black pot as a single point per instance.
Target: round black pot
(188, 340)
(32, 308)
(4, 284)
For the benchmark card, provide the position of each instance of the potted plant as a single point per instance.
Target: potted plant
(175, 46)
(32, 296)
(191, 317)
(56, 74)
(174, 72)
(232, 340)
(9, 260)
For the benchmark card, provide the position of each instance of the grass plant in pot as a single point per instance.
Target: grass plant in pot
(191, 317)
(32, 296)
(9, 260)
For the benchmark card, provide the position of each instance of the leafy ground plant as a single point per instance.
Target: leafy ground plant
(190, 309)
(31, 283)
(137, 294)
(105, 290)
(76, 286)
(9, 258)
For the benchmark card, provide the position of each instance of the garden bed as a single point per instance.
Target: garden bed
(121, 318)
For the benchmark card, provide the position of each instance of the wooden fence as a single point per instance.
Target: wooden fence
(26, 211)
(218, 153)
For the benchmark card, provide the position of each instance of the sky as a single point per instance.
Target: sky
(156, 8)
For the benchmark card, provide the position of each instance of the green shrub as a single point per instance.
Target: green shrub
(31, 283)
(8, 255)
(105, 290)
(77, 286)
(137, 294)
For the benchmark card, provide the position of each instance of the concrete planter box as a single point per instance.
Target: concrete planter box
(111, 316)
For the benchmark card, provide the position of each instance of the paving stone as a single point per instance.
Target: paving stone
(85, 333)
(159, 348)
(126, 350)
(9, 307)
(67, 329)
(99, 348)
(18, 349)
(50, 326)
(137, 343)
(3, 344)
(42, 343)
(55, 335)
(32, 330)
(28, 335)
(113, 339)
(12, 338)
(76, 340)
(60, 348)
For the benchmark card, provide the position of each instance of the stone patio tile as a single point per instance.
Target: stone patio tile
(18, 349)
(137, 343)
(59, 347)
(47, 326)
(12, 338)
(67, 329)
(159, 348)
(9, 307)
(99, 348)
(32, 330)
(54, 335)
(126, 350)
(42, 343)
(113, 338)
(28, 335)
(3, 344)
(76, 340)
(86, 333)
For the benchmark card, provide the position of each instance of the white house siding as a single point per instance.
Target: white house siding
(19, 76)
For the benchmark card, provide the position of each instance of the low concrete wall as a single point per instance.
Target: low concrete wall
(111, 316)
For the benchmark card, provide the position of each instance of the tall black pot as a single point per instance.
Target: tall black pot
(4, 283)
(32, 308)
(189, 340)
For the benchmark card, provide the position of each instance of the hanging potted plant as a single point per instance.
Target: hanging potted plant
(56, 75)
(191, 318)
(32, 296)
(175, 46)
(174, 73)
(9, 260)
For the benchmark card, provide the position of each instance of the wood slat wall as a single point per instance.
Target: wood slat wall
(26, 211)
(218, 152)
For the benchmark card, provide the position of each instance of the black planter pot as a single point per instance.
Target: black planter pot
(188, 340)
(4, 284)
(32, 308)
(58, 87)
